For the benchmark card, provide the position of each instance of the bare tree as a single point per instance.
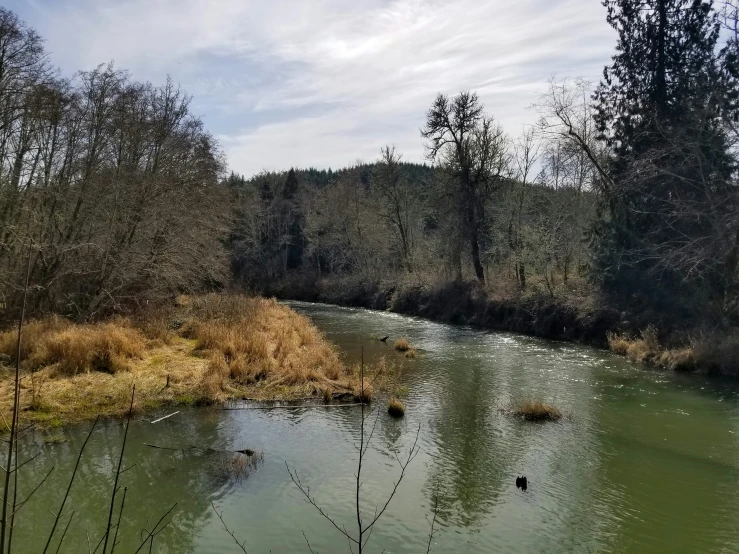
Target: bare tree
(399, 204)
(473, 149)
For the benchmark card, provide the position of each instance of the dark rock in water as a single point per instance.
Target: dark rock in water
(521, 483)
(384, 338)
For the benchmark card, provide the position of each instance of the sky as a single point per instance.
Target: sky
(327, 83)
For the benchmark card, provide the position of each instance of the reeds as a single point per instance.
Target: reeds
(395, 407)
(536, 410)
(402, 345)
(713, 355)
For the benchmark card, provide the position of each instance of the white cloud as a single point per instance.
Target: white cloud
(324, 82)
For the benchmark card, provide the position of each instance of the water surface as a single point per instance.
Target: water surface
(648, 461)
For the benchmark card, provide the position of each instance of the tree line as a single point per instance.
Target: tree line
(111, 191)
(629, 183)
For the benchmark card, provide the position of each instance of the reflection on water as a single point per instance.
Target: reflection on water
(648, 461)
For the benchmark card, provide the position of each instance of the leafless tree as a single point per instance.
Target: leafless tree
(473, 149)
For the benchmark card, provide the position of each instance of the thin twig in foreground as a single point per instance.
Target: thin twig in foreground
(69, 487)
(154, 532)
(14, 420)
(433, 521)
(233, 536)
(118, 473)
(118, 525)
(64, 534)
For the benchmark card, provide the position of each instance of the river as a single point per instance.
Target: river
(646, 462)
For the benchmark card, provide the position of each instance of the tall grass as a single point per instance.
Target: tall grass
(73, 349)
(713, 354)
(202, 349)
(402, 345)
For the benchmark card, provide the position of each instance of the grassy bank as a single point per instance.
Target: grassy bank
(712, 354)
(572, 312)
(202, 350)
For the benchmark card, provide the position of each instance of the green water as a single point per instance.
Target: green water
(648, 462)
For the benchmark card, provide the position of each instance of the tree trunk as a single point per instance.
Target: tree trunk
(479, 271)
(456, 263)
(522, 275)
(661, 77)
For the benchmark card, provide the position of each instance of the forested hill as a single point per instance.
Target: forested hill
(318, 178)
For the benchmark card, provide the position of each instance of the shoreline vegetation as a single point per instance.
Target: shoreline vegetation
(202, 350)
(576, 314)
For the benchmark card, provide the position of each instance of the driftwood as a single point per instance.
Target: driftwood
(246, 451)
(289, 407)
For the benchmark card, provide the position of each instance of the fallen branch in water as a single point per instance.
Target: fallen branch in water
(246, 451)
(292, 407)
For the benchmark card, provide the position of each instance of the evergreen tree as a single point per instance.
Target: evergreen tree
(659, 110)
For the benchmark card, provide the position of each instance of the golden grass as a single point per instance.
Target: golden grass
(536, 410)
(645, 349)
(73, 349)
(223, 347)
(712, 355)
(618, 344)
(402, 345)
(395, 407)
(411, 353)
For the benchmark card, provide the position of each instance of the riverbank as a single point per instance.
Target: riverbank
(200, 350)
(574, 312)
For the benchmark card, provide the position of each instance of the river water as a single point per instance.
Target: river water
(647, 462)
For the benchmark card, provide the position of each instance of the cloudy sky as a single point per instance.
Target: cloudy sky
(325, 83)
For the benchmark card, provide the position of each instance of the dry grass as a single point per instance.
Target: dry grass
(680, 359)
(222, 348)
(714, 355)
(402, 345)
(74, 349)
(618, 344)
(645, 349)
(395, 407)
(411, 353)
(536, 410)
